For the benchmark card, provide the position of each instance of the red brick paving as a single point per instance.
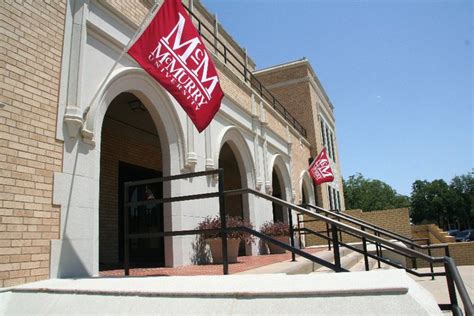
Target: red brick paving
(244, 263)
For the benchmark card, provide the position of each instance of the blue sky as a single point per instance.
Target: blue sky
(399, 73)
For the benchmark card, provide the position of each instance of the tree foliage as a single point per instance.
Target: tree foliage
(446, 205)
(371, 194)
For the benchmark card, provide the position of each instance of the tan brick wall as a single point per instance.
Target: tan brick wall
(233, 88)
(296, 97)
(291, 85)
(433, 232)
(285, 74)
(31, 36)
(297, 100)
(461, 252)
(299, 165)
(134, 10)
(395, 220)
(120, 143)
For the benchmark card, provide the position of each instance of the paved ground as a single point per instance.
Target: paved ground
(268, 294)
(244, 263)
(438, 287)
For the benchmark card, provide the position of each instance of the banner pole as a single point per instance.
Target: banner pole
(124, 50)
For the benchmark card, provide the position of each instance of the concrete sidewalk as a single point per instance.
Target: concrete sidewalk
(390, 292)
(438, 287)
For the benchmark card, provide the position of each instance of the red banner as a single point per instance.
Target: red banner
(320, 169)
(172, 52)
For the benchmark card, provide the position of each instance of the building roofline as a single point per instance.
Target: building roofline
(283, 65)
(294, 63)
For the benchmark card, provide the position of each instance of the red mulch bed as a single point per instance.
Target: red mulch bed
(244, 263)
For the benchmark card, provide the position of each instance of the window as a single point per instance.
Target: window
(322, 132)
(328, 146)
(332, 148)
(331, 205)
(338, 201)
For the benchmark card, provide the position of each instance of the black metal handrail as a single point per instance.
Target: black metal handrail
(375, 228)
(347, 228)
(452, 273)
(453, 277)
(242, 69)
(381, 231)
(454, 280)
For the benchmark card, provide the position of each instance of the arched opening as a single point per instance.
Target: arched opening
(130, 151)
(307, 189)
(304, 195)
(281, 188)
(278, 215)
(232, 180)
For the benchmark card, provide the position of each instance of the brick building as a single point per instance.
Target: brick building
(69, 140)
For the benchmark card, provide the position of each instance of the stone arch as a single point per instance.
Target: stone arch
(232, 136)
(278, 165)
(307, 188)
(162, 110)
(136, 81)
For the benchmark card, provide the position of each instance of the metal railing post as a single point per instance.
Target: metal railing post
(292, 234)
(126, 240)
(451, 289)
(364, 247)
(225, 259)
(378, 251)
(335, 242)
(340, 232)
(431, 263)
(329, 237)
(299, 231)
(414, 263)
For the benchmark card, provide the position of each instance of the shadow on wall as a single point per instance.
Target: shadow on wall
(70, 264)
(262, 247)
(201, 253)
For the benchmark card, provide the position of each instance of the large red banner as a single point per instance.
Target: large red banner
(172, 52)
(320, 170)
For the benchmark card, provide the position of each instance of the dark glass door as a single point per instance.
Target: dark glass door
(144, 252)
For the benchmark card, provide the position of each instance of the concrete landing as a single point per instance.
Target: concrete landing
(388, 292)
(438, 287)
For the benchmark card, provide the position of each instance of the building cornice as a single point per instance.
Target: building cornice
(314, 78)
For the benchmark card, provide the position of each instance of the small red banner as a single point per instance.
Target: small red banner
(172, 52)
(320, 170)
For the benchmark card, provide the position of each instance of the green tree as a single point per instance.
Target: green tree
(434, 202)
(463, 191)
(371, 194)
(446, 205)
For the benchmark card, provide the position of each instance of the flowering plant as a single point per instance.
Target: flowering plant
(275, 229)
(215, 223)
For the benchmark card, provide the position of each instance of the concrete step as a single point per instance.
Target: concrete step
(348, 260)
(382, 292)
(301, 266)
(360, 265)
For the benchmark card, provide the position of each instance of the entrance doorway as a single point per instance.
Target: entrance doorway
(130, 151)
(232, 181)
(277, 208)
